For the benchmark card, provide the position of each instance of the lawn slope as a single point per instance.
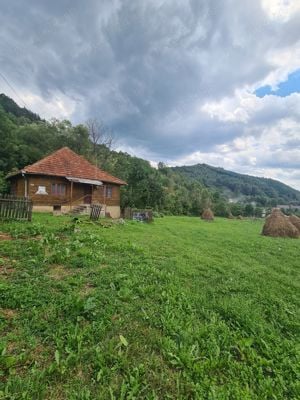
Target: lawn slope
(177, 309)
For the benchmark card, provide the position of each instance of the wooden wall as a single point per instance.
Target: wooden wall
(79, 190)
(17, 187)
(99, 195)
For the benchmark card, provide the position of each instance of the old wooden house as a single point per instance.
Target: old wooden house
(64, 180)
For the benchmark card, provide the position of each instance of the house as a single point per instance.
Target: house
(289, 207)
(64, 180)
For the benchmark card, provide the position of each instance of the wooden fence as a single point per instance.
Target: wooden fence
(95, 212)
(15, 208)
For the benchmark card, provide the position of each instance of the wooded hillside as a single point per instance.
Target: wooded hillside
(26, 138)
(240, 186)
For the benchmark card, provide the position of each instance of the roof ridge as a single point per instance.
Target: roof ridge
(65, 162)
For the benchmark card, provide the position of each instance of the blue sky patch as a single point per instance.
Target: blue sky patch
(291, 85)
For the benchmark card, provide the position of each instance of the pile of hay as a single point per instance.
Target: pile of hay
(208, 215)
(295, 221)
(277, 225)
(239, 217)
(230, 216)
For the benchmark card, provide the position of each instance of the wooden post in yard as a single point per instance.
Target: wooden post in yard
(104, 198)
(71, 196)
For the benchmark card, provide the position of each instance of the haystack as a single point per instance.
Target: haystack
(295, 221)
(239, 217)
(230, 216)
(208, 215)
(277, 225)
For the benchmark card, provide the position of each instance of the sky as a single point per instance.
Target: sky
(178, 81)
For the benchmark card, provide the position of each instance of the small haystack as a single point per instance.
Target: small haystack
(239, 217)
(230, 216)
(207, 215)
(295, 221)
(277, 225)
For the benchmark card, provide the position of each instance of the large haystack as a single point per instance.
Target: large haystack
(295, 221)
(230, 216)
(208, 215)
(277, 225)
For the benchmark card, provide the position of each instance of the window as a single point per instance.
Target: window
(58, 189)
(41, 190)
(108, 192)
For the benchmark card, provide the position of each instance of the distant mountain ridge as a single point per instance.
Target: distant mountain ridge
(12, 107)
(25, 138)
(239, 186)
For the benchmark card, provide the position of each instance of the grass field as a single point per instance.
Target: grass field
(177, 309)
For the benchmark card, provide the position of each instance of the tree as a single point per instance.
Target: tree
(3, 183)
(249, 210)
(99, 134)
(258, 212)
(205, 199)
(236, 209)
(161, 165)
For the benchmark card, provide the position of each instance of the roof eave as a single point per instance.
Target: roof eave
(14, 174)
(121, 183)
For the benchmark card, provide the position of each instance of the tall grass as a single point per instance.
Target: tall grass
(177, 309)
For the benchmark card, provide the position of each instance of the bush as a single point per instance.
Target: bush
(157, 214)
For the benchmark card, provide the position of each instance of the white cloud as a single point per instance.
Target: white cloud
(60, 105)
(273, 154)
(173, 79)
(281, 10)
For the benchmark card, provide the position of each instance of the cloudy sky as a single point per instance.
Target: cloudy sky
(179, 81)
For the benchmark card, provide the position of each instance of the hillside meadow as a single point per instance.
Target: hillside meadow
(177, 309)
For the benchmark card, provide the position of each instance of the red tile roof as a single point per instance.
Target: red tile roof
(64, 162)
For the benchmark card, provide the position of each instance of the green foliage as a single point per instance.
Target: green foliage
(241, 187)
(25, 138)
(4, 186)
(249, 210)
(177, 309)
(15, 111)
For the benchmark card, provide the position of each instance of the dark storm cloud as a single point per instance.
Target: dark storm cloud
(145, 67)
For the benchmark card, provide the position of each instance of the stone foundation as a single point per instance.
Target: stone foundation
(114, 211)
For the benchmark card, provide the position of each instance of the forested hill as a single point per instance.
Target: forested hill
(239, 186)
(12, 107)
(25, 138)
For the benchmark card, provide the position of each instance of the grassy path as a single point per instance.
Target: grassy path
(179, 309)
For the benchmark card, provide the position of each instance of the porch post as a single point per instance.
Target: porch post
(71, 196)
(104, 198)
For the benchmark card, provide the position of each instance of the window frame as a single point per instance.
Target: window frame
(58, 189)
(108, 191)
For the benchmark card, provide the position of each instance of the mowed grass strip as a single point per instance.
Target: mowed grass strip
(177, 309)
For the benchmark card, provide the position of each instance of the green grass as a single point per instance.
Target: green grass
(177, 309)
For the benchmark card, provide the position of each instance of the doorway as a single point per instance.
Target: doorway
(87, 194)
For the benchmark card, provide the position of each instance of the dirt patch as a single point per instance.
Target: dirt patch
(41, 354)
(59, 272)
(8, 313)
(6, 270)
(87, 289)
(5, 236)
